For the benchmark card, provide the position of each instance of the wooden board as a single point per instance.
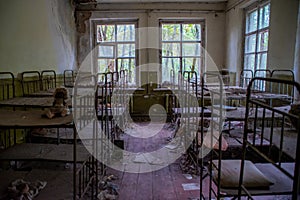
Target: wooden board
(38, 102)
(32, 118)
(33, 151)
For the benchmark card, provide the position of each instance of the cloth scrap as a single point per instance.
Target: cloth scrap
(23, 190)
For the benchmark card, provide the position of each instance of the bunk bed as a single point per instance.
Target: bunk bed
(82, 174)
(33, 94)
(278, 163)
(268, 154)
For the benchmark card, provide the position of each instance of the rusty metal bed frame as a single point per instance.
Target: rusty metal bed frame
(279, 88)
(7, 85)
(274, 153)
(33, 119)
(69, 78)
(84, 175)
(245, 76)
(111, 104)
(273, 123)
(38, 84)
(48, 79)
(31, 82)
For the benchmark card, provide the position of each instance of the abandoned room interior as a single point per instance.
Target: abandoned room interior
(149, 99)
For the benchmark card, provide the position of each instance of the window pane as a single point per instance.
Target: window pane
(106, 51)
(105, 33)
(126, 32)
(251, 22)
(191, 64)
(129, 66)
(106, 65)
(171, 32)
(170, 66)
(170, 49)
(263, 38)
(249, 62)
(191, 32)
(190, 49)
(262, 61)
(250, 43)
(264, 16)
(126, 50)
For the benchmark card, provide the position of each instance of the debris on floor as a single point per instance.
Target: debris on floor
(190, 186)
(20, 189)
(188, 176)
(188, 166)
(107, 189)
(147, 158)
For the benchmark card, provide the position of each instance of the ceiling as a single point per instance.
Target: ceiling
(151, 1)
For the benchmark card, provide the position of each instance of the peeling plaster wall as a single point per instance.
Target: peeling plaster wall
(36, 35)
(283, 25)
(149, 17)
(234, 40)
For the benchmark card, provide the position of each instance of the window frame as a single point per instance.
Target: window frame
(115, 43)
(252, 8)
(202, 58)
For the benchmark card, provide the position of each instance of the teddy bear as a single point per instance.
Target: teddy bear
(59, 107)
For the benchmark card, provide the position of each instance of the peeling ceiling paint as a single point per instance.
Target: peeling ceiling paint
(147, 1)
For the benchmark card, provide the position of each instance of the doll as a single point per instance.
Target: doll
(59, 107)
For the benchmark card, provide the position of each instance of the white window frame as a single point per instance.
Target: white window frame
(181, 57)
(258, 32)
(115, 43)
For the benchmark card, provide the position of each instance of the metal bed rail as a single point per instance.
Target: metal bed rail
(283, 88)
(211, 139)
(7, 85)
(245, 76)
(259, 85)
(48, 79)
(273, 146)
(31, 82)
(69, 78)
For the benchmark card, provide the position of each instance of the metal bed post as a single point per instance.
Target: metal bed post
(277, 161)
(6, 86)
(75, 150)
(8, 92)
(216, 121)
(244, 79)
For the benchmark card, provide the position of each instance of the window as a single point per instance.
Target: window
(116, 44)
(181, 44)
(257, 37)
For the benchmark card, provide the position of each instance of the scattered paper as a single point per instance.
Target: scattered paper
(147, 158)
(171, 146)
(191, 186)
